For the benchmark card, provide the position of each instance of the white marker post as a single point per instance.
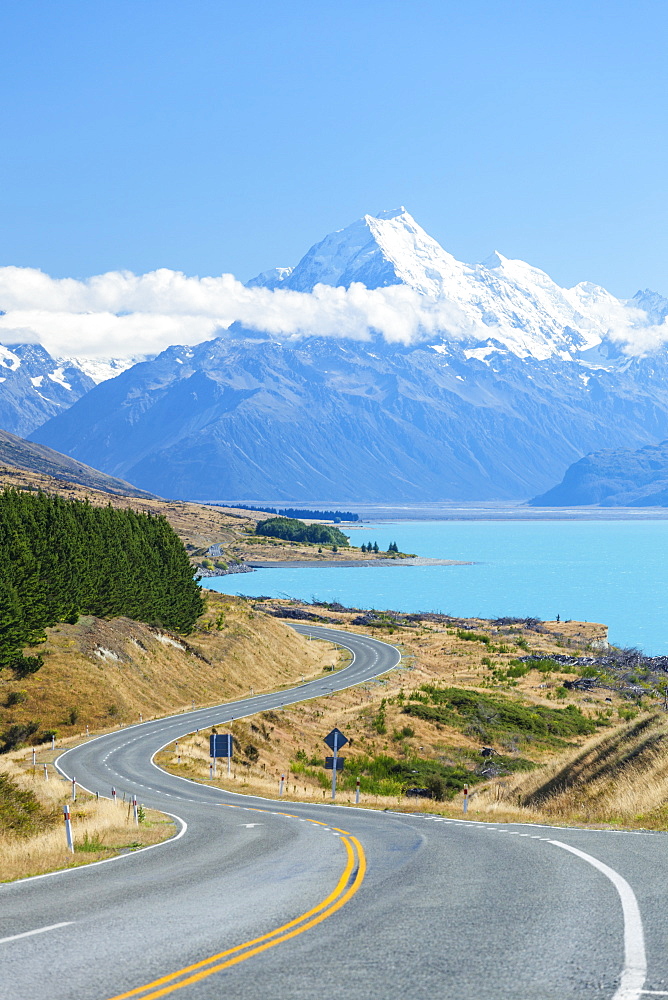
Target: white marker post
(280, 786)
(135, 811)
(53, 742)
(466, 799)
(33, 756)
(357, 792)
(46, 773)
(113, 794)
(68, 828)
(210, 771)
(141, 717)
(74, 789)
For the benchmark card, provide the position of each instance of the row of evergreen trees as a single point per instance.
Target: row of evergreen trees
(292, 530)
(392, 547)
(62, 558)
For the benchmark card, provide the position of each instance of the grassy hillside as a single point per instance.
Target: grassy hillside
(16, 452)
(618, 778)
(463, 686)
(100, 673)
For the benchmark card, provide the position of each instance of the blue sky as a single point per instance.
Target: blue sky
(215, 136)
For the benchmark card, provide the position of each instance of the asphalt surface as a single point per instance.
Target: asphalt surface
(372, 905)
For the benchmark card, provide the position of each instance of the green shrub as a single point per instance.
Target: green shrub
(15, 698)
(473, 637)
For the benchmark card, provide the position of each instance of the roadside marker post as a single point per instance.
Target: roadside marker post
(68, 828)
(74, 789)
(46, 773)
(135, 811)
(211, 771)
(141, 717)
(466, 798)
(335, 740)
(113, 795)
(53, 742)
(280, 786)
(357, 792)
(33, 756)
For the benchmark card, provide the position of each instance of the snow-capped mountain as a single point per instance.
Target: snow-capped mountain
(520, 380)
(34, 386)
(516, 306)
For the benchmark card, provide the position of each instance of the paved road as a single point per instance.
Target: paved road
(260, 898)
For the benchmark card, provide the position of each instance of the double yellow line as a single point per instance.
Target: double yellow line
(355, 869)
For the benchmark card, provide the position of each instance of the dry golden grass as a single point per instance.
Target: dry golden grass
(103, 823)
(617, 778)
(622, 773)
(101, 673)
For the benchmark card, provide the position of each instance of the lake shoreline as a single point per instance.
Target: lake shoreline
(357, 563)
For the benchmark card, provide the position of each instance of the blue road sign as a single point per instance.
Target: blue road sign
(220, 745)
(329, 763)
(335, 740)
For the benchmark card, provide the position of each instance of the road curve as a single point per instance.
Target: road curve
(263, 898)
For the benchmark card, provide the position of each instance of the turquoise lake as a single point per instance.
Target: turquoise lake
(614, 572)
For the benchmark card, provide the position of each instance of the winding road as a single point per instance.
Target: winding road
(256, 898)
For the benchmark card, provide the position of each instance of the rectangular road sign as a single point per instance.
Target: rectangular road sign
(335, 740)
(329, 763)
(220, 745)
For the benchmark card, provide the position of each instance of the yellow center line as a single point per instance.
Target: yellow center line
(324, 909)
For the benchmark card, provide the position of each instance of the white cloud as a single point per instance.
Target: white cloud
(120, 314)
(123, 313)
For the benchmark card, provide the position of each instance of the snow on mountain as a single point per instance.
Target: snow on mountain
(36, 386)
(274, 278)
(507, 302)
(101, 369)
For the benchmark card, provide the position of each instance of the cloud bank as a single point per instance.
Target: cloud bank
(121, 313)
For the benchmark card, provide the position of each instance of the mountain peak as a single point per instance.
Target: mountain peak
(391, 213)
(495, 259)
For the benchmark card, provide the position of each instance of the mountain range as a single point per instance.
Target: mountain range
(518, 379)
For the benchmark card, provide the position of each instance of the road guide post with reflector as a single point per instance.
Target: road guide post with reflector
(357, 792)
(221, 745)
(68, 828)
(466, 798)
(74, 789)
(335, 740)
(135, 811)
(281, 785)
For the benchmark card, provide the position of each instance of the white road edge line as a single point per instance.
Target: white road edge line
(634, 970)
(39, 930)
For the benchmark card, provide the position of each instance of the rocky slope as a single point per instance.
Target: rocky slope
(34, 386)
(17, 453)
(621, 478)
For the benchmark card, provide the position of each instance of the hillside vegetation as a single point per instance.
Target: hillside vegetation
(100, 673)
(620, 777)
(293, 530)
(473, 703)
(63, 558)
